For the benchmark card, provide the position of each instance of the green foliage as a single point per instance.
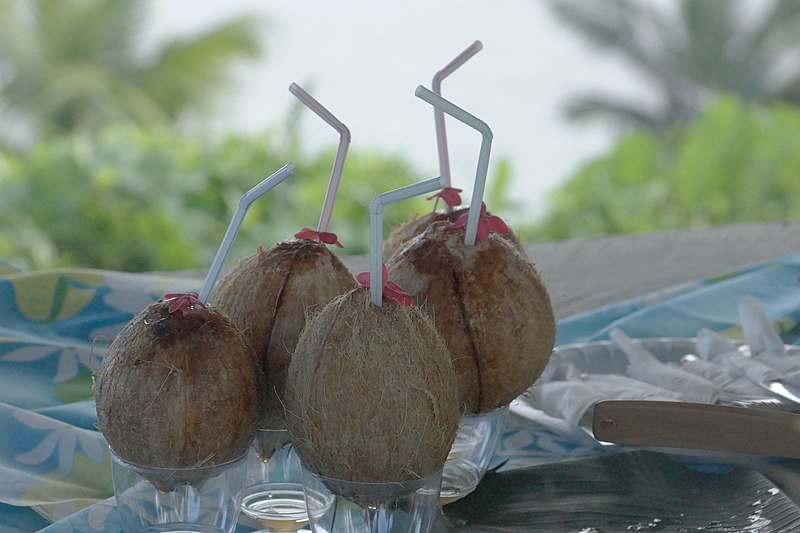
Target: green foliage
(736, 163)
(136, 200)
(690, 52)
(78, 65)
(102, 178)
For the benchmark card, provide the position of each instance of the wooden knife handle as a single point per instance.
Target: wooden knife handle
(698, 426)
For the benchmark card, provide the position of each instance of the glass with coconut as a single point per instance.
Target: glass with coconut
(352, 507)
(273, 495)
(473, 450)
(192, 500)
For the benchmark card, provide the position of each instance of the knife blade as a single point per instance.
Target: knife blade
(762, 375)
(778, 388)
(698, 426)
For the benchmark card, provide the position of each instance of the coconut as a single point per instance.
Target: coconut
(371, 395)
(178, 390)
(268, 295)
(489, 304)
(415, 225)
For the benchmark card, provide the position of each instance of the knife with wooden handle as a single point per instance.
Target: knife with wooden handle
(698, 426)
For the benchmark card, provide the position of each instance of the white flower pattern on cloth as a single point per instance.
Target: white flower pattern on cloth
(70, 359)
(61, 439)
(130, 293)
(100, 513)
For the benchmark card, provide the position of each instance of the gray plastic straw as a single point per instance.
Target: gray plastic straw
(236, 221)
(341, 152)
(376, 230)
(483, 157)
(438, 115)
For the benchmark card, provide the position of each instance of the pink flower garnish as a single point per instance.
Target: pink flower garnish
(449, 195)
(318, 236)
(391, 290)
(486, 224)
(183, 302)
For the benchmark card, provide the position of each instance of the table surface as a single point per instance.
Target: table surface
(49, 322)
(584, 274)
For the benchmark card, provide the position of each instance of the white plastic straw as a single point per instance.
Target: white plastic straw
(341, 152)
(376, 230)
(236, 221)
(438, 115)
(483, 157)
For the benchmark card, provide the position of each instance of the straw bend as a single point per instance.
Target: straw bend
(376, 229)
(341, 152)
(242, 206)
(455, 64)
(438, 116)
(483, 156)
(311, 103)
(454, 111)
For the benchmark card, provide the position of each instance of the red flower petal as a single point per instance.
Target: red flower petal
(363, 279)
(324, 237)
(483, 230)
(397, 296)
(497, 225)
(486, 224)
(390, 290)
(182, 301)
(307, 234)
(392, 285)
(176, 304)
(180, 294)
(450, 196)
(329, 238)
(461, 221)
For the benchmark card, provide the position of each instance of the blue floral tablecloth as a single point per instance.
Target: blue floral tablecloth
(56, 324)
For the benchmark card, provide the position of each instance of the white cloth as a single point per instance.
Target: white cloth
(645, 366)
(710, 344)
(720, 372)
(730, 383)
(763, 359)
(573, 400)
(761, 337)
(784, 363)
(748, 367)
(764, 342)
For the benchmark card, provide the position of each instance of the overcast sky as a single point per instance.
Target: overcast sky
(363, 60)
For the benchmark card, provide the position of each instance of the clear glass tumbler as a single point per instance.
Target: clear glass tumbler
(350, 507)
(273, 494)
(472, 452)
(201, 500)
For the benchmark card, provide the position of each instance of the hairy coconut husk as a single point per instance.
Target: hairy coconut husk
(490, 306)
(269, 294)
(415, 225)
(371, 394)
(178, 390)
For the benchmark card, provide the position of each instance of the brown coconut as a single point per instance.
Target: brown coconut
(371, 394)
(415, 225)
(178, 390)
(269, 294)
(489, 304)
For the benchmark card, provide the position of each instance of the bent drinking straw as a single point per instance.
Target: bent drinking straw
(341, 152)
(438, 115)
(483, 157)
(376, 230)
(236, 221)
